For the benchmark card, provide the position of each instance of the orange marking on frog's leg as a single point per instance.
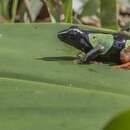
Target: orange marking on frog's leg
(125, 66)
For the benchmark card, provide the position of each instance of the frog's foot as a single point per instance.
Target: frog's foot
(123, 66)
(78, 61)
(80, 58)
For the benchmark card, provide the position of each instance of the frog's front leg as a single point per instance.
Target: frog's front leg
(80, 58)
(90, 56)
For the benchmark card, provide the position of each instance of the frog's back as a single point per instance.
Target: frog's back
(105, 40)
(112, 44)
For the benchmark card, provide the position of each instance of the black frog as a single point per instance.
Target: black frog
(95, 45)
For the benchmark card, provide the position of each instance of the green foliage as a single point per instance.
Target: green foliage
(91, 7)
(67, 4)
(14, 10)
(109, 13)
(41, 87)
(4, 8)
(120, 122)
(58, 10)
(54, 15)
(106, 10)
(28, 10)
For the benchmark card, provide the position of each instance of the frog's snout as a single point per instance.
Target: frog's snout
(61, 35)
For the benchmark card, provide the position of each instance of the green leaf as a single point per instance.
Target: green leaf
(120, 122)
(91, 7)
(14, 10)
(53, 12)
(109, 14)
(4, 8)
(67, 4)
(58, 8)
(41, 88)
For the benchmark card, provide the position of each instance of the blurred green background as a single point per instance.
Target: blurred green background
(113, 14)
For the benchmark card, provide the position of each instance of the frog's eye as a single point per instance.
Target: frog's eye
(73, 32)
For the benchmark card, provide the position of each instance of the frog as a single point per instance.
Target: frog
(99, 46)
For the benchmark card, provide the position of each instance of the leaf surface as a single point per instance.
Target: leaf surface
(41, 87)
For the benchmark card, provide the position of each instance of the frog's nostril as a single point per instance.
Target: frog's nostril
(61, 35)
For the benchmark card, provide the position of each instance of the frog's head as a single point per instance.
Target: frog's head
(74, 37)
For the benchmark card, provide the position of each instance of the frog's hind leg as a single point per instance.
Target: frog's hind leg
(123, 66)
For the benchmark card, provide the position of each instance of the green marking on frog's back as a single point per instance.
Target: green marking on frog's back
(127, 43)
(106, 40)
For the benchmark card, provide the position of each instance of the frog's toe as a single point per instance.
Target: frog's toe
(78, 61)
